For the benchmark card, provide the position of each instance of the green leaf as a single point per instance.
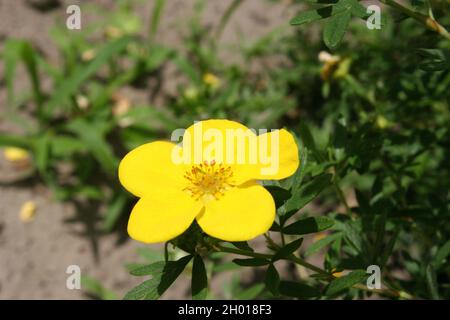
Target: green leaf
(161, 279)
(113, 211)
(158, 55)
(95, 288)
(15, 141)
(298, 176)
(149, 254)
(318, 245)
(272, 280)
(317, 14)
(243, 245)
(41, 153)
(199, 285)
(306, 136)
(298, 290)
(156, 16)
(250, 293)
(187, 68)
(309, 225)
(335, 28)
(279, 195)
(92, 137)
(434, 59)
(308, 192)
(441, 255)
(345, 282)
(29, 56)
(251, 262)
(358, 9)
(12, 52)
(152, 269)
(432, 282)
(71, 85)
(287, 250)
(227, 266)
(65, 146)
(141, 290)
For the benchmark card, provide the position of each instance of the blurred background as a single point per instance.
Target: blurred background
(73, 102)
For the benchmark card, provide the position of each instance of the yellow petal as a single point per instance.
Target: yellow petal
(272, 155)
(280, 159)
(160, 219)
(241, 214)
(224, 141)
(207, 140)
(150, 170)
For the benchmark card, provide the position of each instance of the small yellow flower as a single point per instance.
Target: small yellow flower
(14, 154)
(82, 102)
(382, 122)
(27, 211)
(211, 80)
(224, 197)
(330, 64)
(191, 93)
(88, 55)
(319, 236)
(337, 274)
(122, 105)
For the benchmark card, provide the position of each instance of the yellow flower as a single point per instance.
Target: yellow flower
(211, 80)
(14, 154)
(210, 178)
(27, 211)
(330, 64)
(336, 273)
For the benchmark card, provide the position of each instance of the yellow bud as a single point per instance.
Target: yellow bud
(211, 80)
(82, 102)
(14, 154)
(319, 236)
(191, 93)
(27, 211)
(88, 55)
(382, 122)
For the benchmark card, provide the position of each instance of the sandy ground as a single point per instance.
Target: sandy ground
(34, 256)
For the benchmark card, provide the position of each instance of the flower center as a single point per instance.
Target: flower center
(208, 180)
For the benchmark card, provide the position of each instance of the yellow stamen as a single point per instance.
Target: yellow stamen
(208, 180)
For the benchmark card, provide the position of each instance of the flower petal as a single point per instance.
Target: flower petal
(207, 140)
(150, 169)
(278, 156)
(243, 213)
(160, 219)
(272, 155)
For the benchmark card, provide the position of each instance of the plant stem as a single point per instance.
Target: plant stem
(427, 21)
(226, 17)
(300, 261)
(155, 18)
(340, 193)
(309, 266)
(242, 252)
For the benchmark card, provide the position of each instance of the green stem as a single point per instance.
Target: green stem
(427, 21)
(155, 18)
(226, 17)
(330, 277)
(340, 194)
